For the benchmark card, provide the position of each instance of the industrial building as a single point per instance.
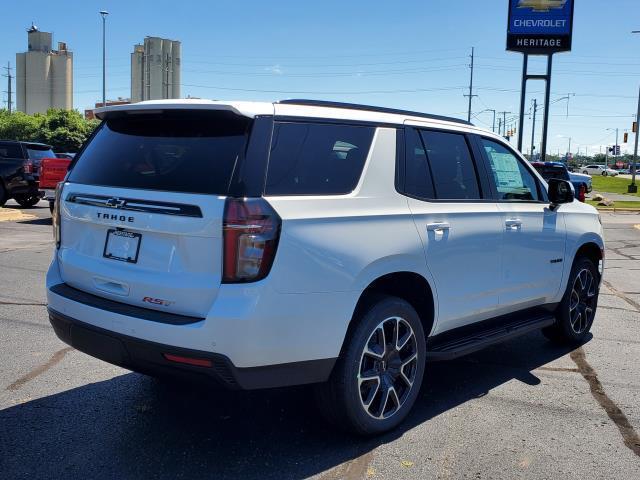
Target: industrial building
(155, 69)
(89, 113)
(44, 77)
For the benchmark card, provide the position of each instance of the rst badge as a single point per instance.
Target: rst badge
(158, 301)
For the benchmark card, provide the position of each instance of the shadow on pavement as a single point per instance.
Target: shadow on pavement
(36, 221)
(136, 427)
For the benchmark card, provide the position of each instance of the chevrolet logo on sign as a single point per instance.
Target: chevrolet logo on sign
(541, 5)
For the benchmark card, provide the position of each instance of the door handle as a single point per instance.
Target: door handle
(515, 224)
(438, 227)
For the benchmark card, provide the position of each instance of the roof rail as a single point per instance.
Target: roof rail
(371, 108)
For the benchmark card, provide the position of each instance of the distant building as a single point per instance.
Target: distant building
(44, 77)
(89, 113)
(155, 69)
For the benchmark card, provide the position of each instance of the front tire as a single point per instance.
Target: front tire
(378, 376)
(577, 309)
(604, 174)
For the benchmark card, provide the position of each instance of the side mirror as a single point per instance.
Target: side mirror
(560, 191)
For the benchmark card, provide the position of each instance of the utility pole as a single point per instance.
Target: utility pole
(504, 122)
(533, 125)
(103, 14)
(9, 94)
(633, 188)
(471, 95)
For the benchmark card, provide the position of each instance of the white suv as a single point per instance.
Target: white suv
(599, 170)
(271, 244)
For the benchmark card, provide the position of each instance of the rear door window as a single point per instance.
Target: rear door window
(180, 151)
(418, 182)
(316, 158)
(452, 167)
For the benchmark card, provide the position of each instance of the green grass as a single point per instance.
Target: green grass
(618, 204)
(611, 185)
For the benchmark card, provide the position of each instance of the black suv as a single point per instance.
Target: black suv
(19, 167)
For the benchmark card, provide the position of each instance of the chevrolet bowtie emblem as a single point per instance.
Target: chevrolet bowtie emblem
(541, 5)
(115, 202)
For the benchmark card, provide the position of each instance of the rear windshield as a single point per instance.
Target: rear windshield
(549, 171)
(35, 152)
(191, 152)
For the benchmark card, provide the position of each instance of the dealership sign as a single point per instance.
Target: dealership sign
(540, 26)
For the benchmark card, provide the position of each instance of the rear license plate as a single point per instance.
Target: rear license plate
(122, 245)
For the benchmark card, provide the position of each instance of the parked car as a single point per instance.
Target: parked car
(306, 242)
(52, 171)
(581, 183)
(19, 164)
(599, 170)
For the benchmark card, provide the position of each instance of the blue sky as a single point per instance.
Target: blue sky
(411, 54)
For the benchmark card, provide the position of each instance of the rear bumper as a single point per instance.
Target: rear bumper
(28, 185)
(149, 358)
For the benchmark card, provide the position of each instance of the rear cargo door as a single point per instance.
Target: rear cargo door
(142, 210)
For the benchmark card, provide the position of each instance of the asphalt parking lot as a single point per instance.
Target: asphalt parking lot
(525, 409)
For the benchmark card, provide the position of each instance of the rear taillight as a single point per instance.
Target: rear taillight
(251, 230)
(29, 167)
(581, 193)
(55, 215)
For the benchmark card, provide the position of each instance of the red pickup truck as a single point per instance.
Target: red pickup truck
(52, 171)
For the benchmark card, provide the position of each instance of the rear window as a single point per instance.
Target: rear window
(316, 159)
(35, 152)
(191, 152)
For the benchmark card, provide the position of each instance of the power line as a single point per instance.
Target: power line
(313, 92)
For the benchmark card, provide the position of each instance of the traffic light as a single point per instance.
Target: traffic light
(617, 150)
(634, 127)
(625, 137)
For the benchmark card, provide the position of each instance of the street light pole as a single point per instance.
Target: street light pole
(103, 14)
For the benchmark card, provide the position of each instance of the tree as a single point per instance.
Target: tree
(64, 130)
(19, 126)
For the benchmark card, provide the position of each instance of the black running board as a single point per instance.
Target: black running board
(464, 345)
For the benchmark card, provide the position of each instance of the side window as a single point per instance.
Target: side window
(8, 150)
(512, 179)
(316, 159)
(418, 181)
(452, 168)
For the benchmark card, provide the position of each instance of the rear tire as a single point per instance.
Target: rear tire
(3, 195)
(379, 373)
(575, 314)
(27, 201)
(604, 174)
(51, 205)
